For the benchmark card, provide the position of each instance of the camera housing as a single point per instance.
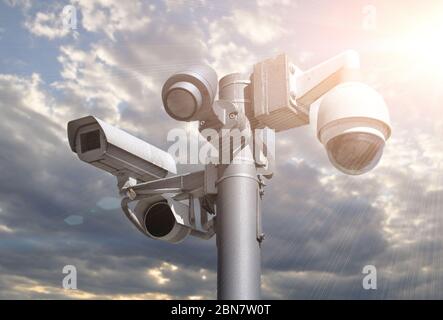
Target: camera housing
(116, 151)
(188, 95)
(353, 124)
(163, 218)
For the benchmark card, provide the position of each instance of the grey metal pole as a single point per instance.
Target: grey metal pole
(238, 250)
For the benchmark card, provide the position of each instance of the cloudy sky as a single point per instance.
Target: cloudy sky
(322, 226)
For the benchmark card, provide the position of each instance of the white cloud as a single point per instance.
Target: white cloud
(260, 28)
(107, 16)
(272, 3)
(49, 25)
(5, 229)
(28, 288)
(88, 79)
(227, 55)
(159, 274)
(233, 39)
(111, 16)
(31, 97)
(23, 4)
(179, 5)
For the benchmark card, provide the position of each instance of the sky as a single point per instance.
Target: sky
(322, 227)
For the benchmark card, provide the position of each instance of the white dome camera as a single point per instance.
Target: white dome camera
(353, 125)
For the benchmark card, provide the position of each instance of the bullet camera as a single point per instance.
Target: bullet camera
(163, 218)
(188, 95)
(117, 152)
(353, 125)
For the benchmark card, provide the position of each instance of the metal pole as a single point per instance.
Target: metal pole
(238, 250)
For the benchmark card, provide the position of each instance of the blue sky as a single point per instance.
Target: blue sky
(322, 226)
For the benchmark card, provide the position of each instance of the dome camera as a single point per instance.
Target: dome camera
(353, 125)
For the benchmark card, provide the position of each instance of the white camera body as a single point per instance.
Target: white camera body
(353, 124)
(188, 95)
(116, 151)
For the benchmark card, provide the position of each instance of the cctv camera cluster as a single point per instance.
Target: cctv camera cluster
(353, 120)
(353, 125)
(133, 161)
(225, 198)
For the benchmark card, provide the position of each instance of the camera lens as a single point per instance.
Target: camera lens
(159, 220)
(188, 94)
(355, 153)
(183, 100)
